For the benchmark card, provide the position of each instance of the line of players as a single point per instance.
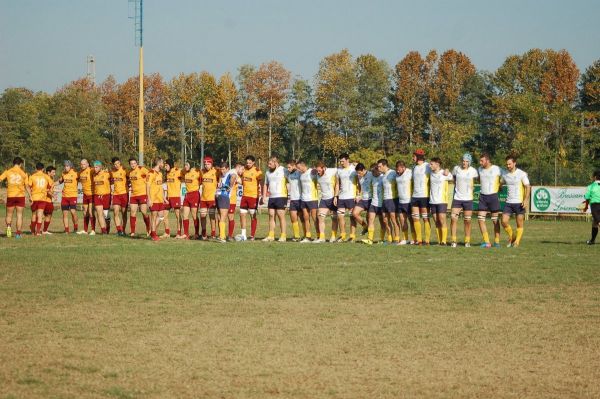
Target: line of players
(400, 198)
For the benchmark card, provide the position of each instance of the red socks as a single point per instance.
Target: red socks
(186, 227)
(253, 224)
(231, 227)
(132, 222)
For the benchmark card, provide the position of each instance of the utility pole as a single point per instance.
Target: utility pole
(91, 69)
(138, 18)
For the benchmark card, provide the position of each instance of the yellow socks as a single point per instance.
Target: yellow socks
(454, 239)
(427, 231)
(486, 237)
(509, 232)
(333, 236)
(308, 234)
(343, 235)
(418, 234)
(444, 234)
(467, 239)
(282, 237)
(438, 233)
(321, 236)
(222, 230)
(370, 234)
(271, 234)
(519, 235)
(296, 229)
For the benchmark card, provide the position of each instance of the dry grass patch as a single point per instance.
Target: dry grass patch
(535, 342)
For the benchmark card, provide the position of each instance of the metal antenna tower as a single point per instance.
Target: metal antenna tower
(91, 69)
(138, 18)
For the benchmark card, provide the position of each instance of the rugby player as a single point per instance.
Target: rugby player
(101, 195)
(49, 208)
(191, 201)
(309, 200)
(226, 192)
(345, 195)
(85, 177)
(252, 181)
(420, 197)
(462, 201)
(239, 170)
(155, 195)
(39, 184)
(404, 189)
(68, 203)
(174, 178)
(326, 178)
(210, 179)
(16, 183)
(375, 207)
(139, 200)
(489, 178)
(517, 200)
(120, 196)
(365, 195)
(390, 200)
(592, 200)
(438, 198)
(294, 192)
(275, 188)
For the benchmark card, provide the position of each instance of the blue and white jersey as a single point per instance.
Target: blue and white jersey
(227, 184)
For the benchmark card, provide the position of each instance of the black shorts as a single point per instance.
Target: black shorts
(438, 208)
(346, 203)
(364, 204)
(223, 202)
(464, 205)
(327, 204)
(489, 203)
(403, 208)
(375, 209)
(421, 203)
(310, 205)
(595, 209)
(295, 205)
(277, 203)
(510, 209)
(389, 205)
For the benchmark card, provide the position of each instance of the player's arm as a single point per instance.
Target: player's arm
(148, 192)
(527, 195)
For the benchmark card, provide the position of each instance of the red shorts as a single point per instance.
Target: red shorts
(192, 199)
(248, 203)
(120, 200)
(15, 201)
(157, 207)
(174, 202)
(138, 200)
(49, 208)
(102, 200)
(67, 203)
(38, 205)
(208, 204)
(231, 209)
(88, 199)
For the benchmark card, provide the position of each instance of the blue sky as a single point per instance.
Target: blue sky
(44, 44)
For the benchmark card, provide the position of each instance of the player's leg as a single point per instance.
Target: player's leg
(213, 220)
(595, 211)
(74, 218)
(384, 228)
(133, 218)
(294, 220)
(427, 226)
(10, 210)
(177, 212)
(222, 213)
(496, 221)
(153, 225)
(19, 219)
(203, 216)
(322, 214)
(185, 221)
(454, 216)
(352, 225)
(39, 217)
(370, 228)
(271, 234)
(341, 222)
(394, 227)
(443, 226)
(118, 218)
(416, 218)
(100, 217)
(481, 216)
(520, 219)
(505, 221)
(146, 215)
(282, 224)
(468, 214)
(65, 218)
(231, 221)
(358, 219)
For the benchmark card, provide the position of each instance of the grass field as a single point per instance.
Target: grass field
(108, 317)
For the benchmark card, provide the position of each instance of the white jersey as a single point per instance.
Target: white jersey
(277, 182)
(464, 183)
(377, 191)
(308, 186)
(438, 193)
(348, 183)
(365, 186)
(390, 190)
(490, 179)
(420, 175)
(294, 182)
(404, 186)
(327, 183)
(515, 183)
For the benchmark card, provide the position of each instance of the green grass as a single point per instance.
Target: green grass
(115, 317)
